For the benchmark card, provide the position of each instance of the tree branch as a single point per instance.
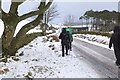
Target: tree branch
(30, 25)
(41, 10)
(21, 34)
(51, 13)
(27, 39)
(14, 7)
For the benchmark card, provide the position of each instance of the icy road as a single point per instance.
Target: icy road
(100, 59)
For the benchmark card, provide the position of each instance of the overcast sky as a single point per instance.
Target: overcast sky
(68, 7)
(77, 9)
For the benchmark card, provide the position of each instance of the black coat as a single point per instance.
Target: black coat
(63, 40)
(115, 40)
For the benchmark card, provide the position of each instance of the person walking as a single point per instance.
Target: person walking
(115, 40)
(70, 40)
(64, 41)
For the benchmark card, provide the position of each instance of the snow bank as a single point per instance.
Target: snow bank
(98, 40)
(95, 38)
(36, 29)
(42, 59)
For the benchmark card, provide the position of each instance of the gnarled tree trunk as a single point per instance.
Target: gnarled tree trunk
(11, 44)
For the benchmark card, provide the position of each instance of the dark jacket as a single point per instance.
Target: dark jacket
(115, 38)
(70, 36)
(64, 40)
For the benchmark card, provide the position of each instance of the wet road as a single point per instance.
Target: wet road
(100, 59)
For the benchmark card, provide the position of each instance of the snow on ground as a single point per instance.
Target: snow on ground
(98, 40)
(42, 59)
(35, 30)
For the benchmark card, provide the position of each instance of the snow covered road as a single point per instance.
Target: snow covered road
(100, 59)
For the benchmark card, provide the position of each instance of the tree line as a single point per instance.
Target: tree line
(103, 21)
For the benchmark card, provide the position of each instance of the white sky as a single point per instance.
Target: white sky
(77, 9)
(67, 7)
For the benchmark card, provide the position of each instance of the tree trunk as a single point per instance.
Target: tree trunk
(11, 44)
(7, 37)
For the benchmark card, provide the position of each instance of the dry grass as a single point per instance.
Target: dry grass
(55, 38)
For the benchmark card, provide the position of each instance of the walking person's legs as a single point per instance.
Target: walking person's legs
(117, 55)
(70, 46)
(62, 50)
(67, 46)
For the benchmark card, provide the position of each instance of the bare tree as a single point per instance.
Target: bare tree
(51, 13)
(11, 44)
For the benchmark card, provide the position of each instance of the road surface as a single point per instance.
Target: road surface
(100, 59)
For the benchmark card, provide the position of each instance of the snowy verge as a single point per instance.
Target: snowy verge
(98, 40)
(42, 59)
